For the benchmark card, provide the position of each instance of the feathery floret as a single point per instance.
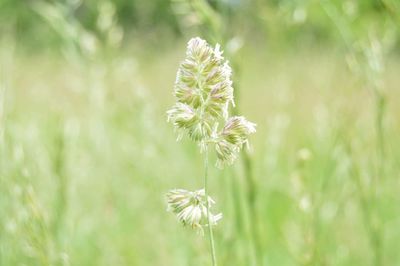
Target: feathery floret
(237, 129)
(190, 207)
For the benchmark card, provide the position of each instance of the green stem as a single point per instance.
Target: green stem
(210, 231)
(60, 202)
(376, 229)
(373, 231)
(379, 115)
(251, 198)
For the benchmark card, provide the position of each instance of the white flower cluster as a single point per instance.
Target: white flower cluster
(203, 90)
(191, 208)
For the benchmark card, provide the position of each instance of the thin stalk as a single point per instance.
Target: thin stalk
(373, 231)
(376, 238)
(210, 231)
(60, 202)
(251, 198)
(380, 103)
(237, 209)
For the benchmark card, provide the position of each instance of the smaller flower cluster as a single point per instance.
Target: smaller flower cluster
(203, 89)
(191, 208)
(232, 138)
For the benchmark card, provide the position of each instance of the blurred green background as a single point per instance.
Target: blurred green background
(86, 154)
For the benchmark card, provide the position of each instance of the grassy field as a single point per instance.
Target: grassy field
(87, 157)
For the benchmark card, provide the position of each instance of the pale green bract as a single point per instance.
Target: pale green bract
(204, 92)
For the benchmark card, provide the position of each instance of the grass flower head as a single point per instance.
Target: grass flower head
(204, 92)
(190, 207)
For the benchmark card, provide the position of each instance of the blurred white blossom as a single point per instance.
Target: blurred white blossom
(191, 208)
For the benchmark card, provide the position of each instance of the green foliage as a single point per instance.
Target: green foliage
(287, 21)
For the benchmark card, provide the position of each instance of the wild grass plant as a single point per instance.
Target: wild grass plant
(211, 21)
(204, 92)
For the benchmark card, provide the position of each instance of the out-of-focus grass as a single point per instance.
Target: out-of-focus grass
(87, 156)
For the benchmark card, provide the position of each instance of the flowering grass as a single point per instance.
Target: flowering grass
(204, 91)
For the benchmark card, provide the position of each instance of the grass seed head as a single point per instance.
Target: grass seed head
(204, 92)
